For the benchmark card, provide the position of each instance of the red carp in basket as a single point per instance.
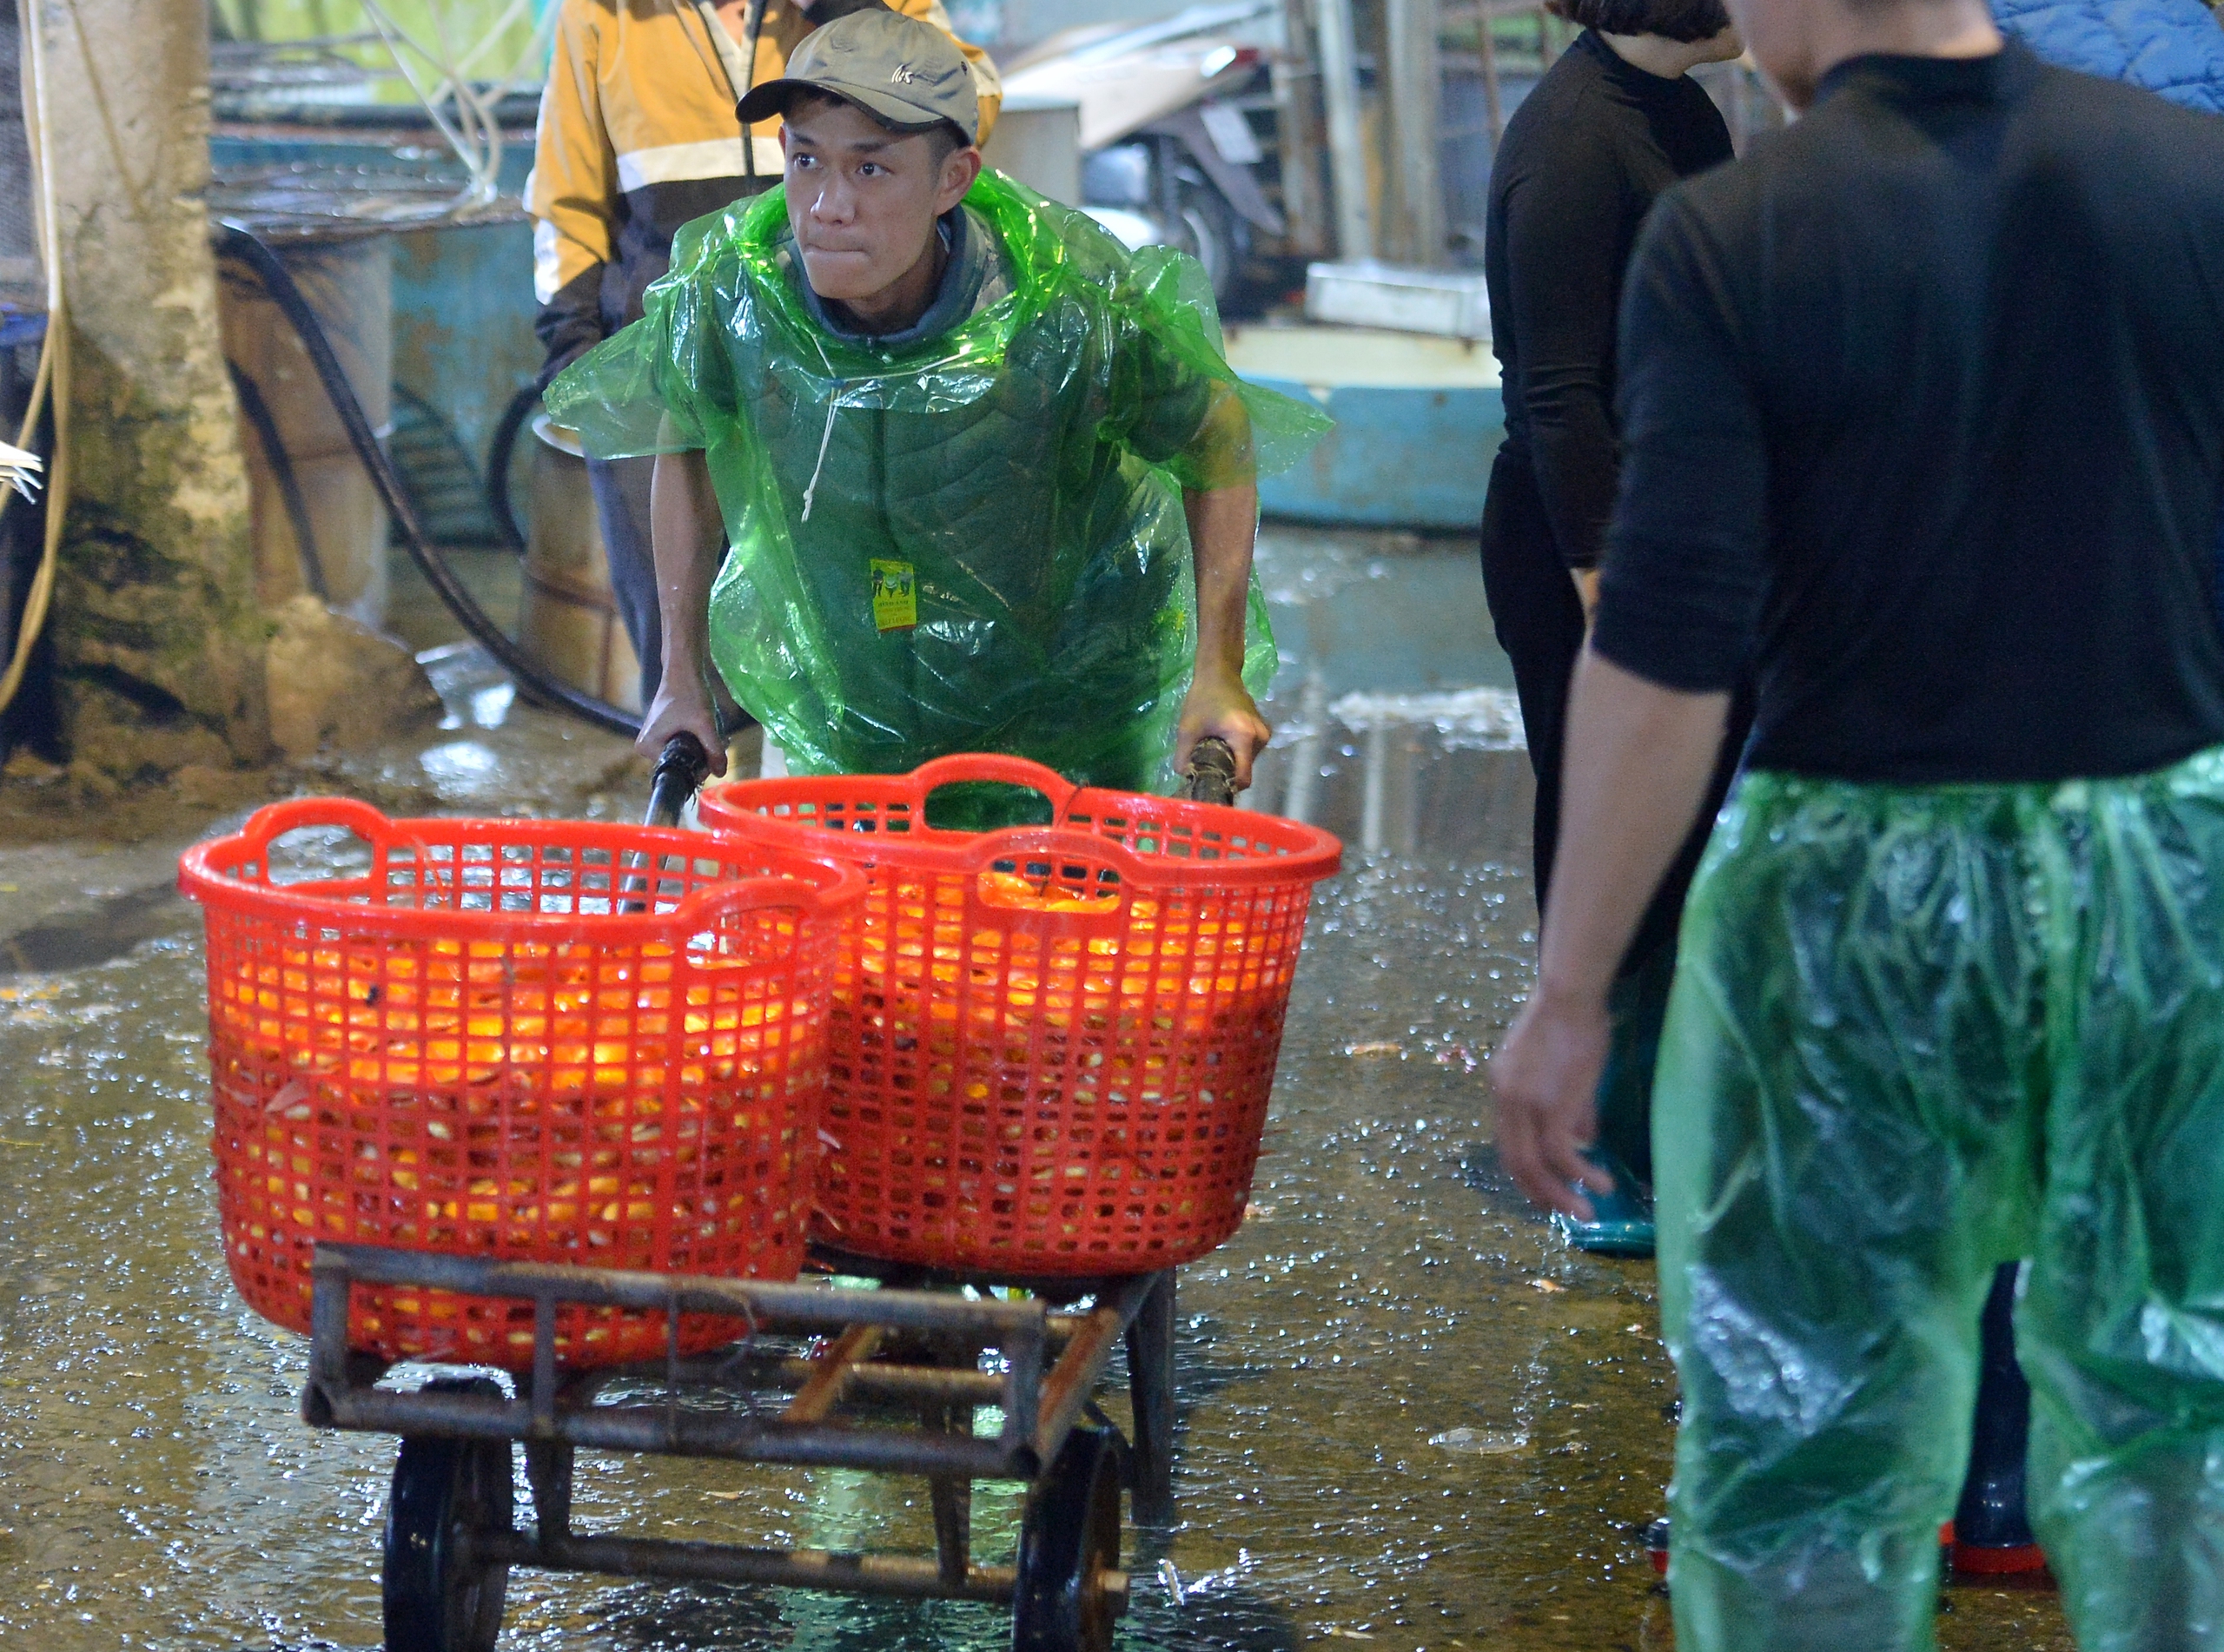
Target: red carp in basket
(1053, 1046)
(548, 1041)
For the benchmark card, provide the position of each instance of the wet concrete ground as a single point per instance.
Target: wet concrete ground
(1410, 1419)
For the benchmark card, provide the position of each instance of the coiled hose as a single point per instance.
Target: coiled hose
(236, 241)
(498, 451)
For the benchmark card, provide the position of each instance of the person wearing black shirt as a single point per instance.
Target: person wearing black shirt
(1923, 420)
(1614, 122)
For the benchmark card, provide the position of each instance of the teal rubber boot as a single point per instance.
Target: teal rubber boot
(1621, 1222)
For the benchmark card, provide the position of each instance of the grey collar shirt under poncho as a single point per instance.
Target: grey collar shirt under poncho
(971, 541)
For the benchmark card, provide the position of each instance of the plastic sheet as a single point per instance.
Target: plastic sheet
(975, 542)
(1916, 1032)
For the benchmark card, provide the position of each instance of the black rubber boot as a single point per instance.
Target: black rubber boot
(1992, 1532)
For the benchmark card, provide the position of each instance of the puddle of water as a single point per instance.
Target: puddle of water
(475, 691)
(81, 940)
(1409, 1417)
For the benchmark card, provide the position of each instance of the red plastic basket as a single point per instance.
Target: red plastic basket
(539, 1040)
(1052, 1046)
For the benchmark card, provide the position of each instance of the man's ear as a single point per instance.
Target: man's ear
(958, 171)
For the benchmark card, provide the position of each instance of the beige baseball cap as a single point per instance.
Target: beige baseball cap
(902, 72)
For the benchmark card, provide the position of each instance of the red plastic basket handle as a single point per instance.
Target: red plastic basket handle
(964, 766)
(702, 910)
(745, 893)
(273, 821)
(1059, 842)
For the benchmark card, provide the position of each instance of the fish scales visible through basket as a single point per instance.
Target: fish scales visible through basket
(1085, 1097)
(642, 1104)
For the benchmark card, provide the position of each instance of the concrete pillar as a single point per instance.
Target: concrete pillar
(1337, 47)
(1303, 133)
(159, 644)
(1412, 94)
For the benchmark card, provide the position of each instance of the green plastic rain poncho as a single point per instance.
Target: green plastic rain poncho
(1916, 1032)
(971, 543)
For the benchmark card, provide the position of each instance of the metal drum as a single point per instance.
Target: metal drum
(567, 616)
(350, 286)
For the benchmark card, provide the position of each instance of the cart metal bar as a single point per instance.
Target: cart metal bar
(1067, 1388)
(1023, 1389)
(1039, 1399)
(759, 1368)
(674, 1432)
(908, 1576)
(830, 1374)
(811, 1307)
(913, 1383)
(544, 1365)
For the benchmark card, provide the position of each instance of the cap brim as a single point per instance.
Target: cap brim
(774, 95)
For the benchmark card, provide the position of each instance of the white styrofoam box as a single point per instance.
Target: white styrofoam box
(1038, 140)
(1451, 303)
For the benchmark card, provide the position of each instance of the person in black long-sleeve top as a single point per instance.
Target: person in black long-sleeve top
(1612, 123)
(1923, 409)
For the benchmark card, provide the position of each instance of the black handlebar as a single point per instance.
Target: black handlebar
(684, 766)
(682, 769)
(1212, 772)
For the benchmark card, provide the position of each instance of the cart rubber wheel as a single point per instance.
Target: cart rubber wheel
(1069, 1539)
(437, 1596)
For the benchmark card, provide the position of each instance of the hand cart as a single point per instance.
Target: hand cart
(891, 1385)
(884, 1379)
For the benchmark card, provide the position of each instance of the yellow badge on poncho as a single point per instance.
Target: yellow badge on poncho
(895, 595)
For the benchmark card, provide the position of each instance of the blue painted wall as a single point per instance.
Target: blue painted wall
(1397, 457)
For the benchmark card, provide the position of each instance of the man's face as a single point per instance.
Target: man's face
(862, 200)
(1780, 36)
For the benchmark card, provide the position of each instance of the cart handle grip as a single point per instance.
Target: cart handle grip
(680, 772)
(961, 767)
(1212, 772)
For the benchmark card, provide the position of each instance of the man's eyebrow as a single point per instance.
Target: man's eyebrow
(854, 146)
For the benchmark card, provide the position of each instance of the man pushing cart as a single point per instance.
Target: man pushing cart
(990, 485)
(567, 1101)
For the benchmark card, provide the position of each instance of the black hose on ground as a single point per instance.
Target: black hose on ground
(499, 451)
(290, 485)
(236, 241)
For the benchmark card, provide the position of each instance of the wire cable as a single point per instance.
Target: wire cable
(257, 414)
(501, 448)
(752, 30)
(240, 242)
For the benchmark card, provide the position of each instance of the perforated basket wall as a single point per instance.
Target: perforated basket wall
(533, 1041)
(1052, 1048)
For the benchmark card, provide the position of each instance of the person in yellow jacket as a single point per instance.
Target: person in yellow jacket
(638, 134)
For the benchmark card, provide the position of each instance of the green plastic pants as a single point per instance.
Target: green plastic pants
(1916, 1032)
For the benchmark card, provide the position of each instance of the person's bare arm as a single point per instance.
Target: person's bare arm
(688, 538)
(1223, 524)
(1638, 759)
(1586, 591)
